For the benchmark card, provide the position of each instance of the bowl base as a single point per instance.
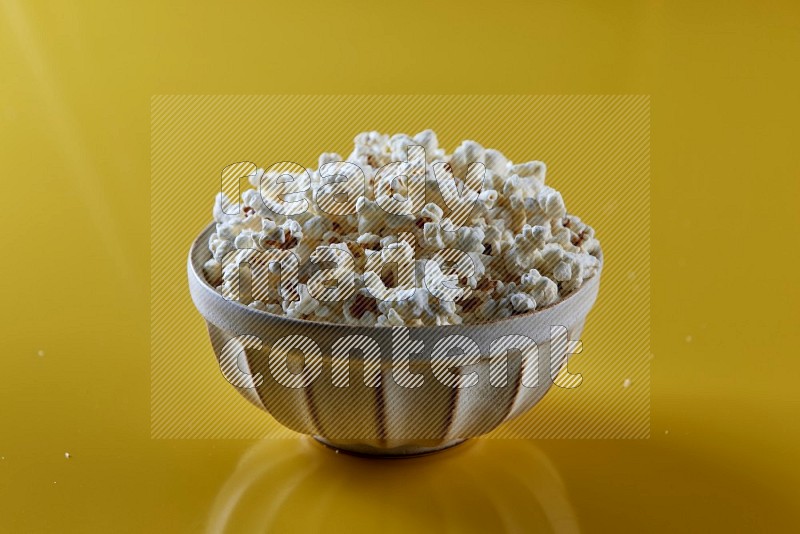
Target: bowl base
(404, 451)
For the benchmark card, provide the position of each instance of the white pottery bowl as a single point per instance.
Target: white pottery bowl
(384, 418)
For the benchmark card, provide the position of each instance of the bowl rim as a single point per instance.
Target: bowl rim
(202, 237)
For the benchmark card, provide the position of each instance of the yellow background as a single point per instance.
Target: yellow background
(75, 89)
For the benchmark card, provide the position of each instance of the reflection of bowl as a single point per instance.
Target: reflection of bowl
(386, 417)
(487, 485)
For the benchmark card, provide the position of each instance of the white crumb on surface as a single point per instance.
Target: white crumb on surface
(626, 383)
(67, 455)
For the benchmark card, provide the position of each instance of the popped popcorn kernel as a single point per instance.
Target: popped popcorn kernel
(517, 247)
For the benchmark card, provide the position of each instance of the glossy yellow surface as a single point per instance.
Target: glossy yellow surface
(75, 88)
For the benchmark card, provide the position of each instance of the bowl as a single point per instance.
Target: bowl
(388, 391)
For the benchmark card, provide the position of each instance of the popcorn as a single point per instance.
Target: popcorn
(315, 227)
(392, 318)
(522, 303)
(552, 204)
(212, 269)
(543, 290)
(469, 152)
(496, 162)
(244, 240)
(487, 200)
(362, 309)
(517, 248)
(493, 240)
(442, 284)
(284, 236)
(531, 169)
(526, 245)
(302, 307)
(428, 140)
(369, 241)
(371, 218)
(431, 213)
(328, 157)
(221, 249)
(433, 236)
(469, 239)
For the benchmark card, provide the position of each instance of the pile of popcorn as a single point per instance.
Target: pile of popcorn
(527, 252)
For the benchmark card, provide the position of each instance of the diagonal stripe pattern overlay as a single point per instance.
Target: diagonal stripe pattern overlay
(597, 151)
